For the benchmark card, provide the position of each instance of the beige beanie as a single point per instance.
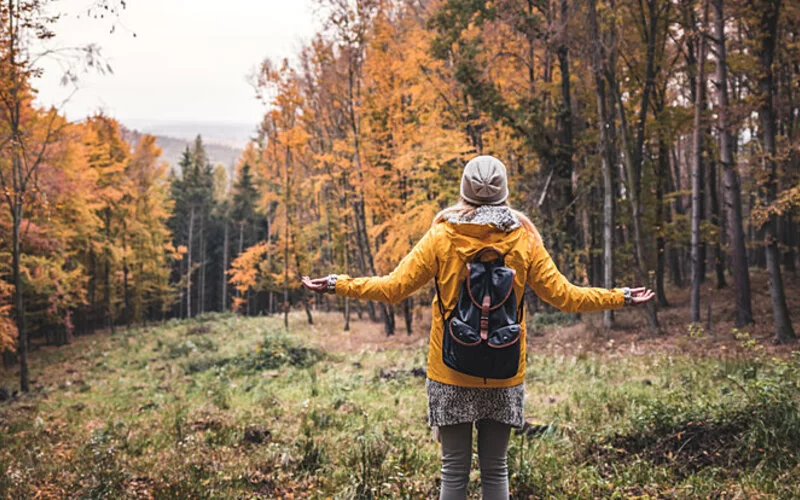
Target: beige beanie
(484, 181)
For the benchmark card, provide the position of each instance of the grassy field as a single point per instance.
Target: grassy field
(229, 407)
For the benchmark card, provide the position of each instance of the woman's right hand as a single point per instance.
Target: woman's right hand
(319, 285)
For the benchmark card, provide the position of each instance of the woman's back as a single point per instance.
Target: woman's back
(443, 254)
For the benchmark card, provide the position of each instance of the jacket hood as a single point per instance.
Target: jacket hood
(469, 238)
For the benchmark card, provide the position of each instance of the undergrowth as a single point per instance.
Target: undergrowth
(752, 425)
(228, 407)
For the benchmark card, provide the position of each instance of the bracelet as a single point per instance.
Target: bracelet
(332, 283)
(626, 292)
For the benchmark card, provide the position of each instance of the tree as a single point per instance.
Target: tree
(634, 135)
(149, 250)
(25, 137)
(698, 270)
(222, 215)
(108, 156)
(733, 197)
(193, 194)
(286, 154)
(768, 15)
(602, 60)
(245, 197)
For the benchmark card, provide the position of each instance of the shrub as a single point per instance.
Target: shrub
(312, 452)
(187, 347)
(366, 463)
(687, 434)
(540, 320)
(103, 476)
(272, 352)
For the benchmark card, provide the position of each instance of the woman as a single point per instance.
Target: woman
(456, 401)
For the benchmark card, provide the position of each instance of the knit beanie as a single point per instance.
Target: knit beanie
(484, 181)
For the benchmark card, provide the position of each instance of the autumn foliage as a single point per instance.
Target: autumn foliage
(95, 244)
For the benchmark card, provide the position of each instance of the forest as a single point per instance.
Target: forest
(652, 142)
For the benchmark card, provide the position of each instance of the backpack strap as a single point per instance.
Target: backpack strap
(484, 323)
(438, 295)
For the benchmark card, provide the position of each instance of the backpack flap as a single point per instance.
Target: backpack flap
(463, 333)
(497, 287)
(504, 337)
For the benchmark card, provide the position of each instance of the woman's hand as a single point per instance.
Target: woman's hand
(639, 295)
(319, 285)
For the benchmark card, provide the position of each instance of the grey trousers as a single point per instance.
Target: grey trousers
(457, 458)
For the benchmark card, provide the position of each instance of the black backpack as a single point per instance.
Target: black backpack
(481, 335)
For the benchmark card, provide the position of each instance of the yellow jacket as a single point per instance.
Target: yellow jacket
(443, 252)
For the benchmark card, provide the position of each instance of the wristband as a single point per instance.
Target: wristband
(626, 292)
(332, 283)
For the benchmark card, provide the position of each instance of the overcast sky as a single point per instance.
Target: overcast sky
(189, 60)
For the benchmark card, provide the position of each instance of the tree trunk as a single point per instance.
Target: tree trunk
(697, 175)
(675, 248)
(22, 332)
(109, 314)
(755, 233)
(593, 227)
(719, 253)
(564, 168)
(790, 242)
(189, 264)
(308, 312)
(16, 198)
(92, 321)
(346, 270)
(408, 309)
(181, 291)
(609, 217)
(770, 11)
(607, 138)
(270, 307)
(201, 305)
(287, 222)
(125, 272)
(364, 252)
(241, 250)
(661, 253)
(225, 244)
(388, 319)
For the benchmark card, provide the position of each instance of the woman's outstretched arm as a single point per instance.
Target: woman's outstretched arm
(416, 269)
(552, 287)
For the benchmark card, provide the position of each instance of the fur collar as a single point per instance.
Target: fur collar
(499, 216)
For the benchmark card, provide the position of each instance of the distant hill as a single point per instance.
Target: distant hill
(235, 135)
(224, 143)
(173, 149)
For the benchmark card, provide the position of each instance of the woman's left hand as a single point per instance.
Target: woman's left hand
(319, 285)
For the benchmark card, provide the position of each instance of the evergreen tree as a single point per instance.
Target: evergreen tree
(193, 195)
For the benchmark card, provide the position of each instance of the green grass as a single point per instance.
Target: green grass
(228, 407)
